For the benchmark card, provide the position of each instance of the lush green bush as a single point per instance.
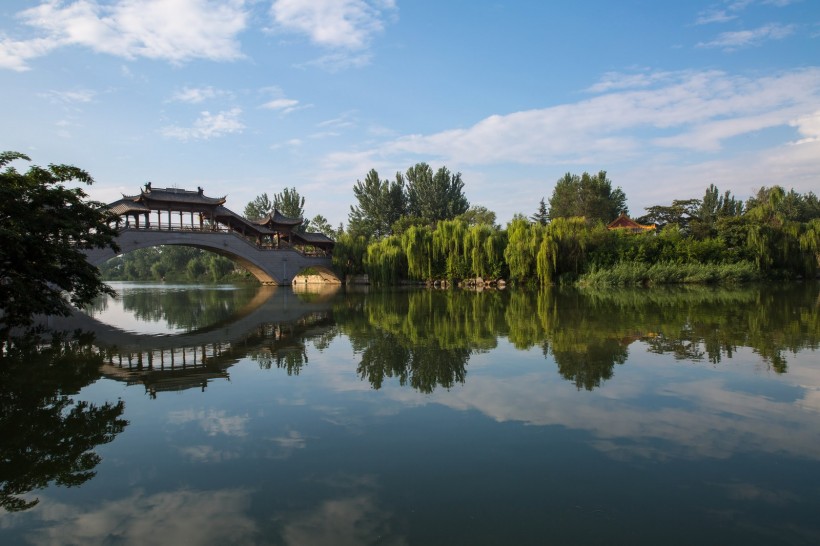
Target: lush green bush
(639, 274)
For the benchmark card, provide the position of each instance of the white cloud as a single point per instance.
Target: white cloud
(730, 41)
(339, 60)
(208, 126)
(714, 16)
(195, 95)
(695, 111)
(285, 105)
(357, 519)
(347, 24)
(15, 53)
(176, 517)
(809, 127)
(612, 81)
(212, 422)
(171, 30)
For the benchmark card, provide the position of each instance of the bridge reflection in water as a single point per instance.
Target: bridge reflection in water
(271, 328)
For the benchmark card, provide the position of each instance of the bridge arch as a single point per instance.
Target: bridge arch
(276, 267)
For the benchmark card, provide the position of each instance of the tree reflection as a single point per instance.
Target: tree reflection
(186, 309)
(425, 338)
(283, 345)
(47, 436)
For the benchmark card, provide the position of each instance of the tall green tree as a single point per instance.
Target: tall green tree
(44, 229)
(713, 207)
(319, 224)
(435, 197)
(380, 204)
(260, 207)
(680, 213)
(589, 196)
(290, 203)
(477, 216)
(541, 216)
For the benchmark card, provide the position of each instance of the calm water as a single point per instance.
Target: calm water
(266, 416)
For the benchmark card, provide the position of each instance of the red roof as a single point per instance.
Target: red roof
(625, 222)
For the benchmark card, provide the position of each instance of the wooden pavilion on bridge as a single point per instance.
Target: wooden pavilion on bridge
(176, 209)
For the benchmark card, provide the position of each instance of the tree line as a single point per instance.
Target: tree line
(716, 238)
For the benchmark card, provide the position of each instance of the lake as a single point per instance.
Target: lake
(325, 415)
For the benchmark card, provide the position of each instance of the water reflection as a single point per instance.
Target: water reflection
(425, 339)
(439, 417)
(47, 436)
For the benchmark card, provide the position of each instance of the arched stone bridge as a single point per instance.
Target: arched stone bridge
(277, 267)
(271, 249)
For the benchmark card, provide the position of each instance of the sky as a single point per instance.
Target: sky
(244, 97)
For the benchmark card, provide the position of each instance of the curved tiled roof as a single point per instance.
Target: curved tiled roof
(177, 195)
(127, 205)
(313, 238)
(278, 218)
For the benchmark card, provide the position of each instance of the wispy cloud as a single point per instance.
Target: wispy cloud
(731, 41)
(715, 16)
(689, 110)
(283, 105)
(344, 26)
(70, 97)
(208, 126)
(731, 10)
(613, 81)
(172, 30)
(196, 95)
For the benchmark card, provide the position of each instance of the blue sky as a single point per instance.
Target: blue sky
(245, 97)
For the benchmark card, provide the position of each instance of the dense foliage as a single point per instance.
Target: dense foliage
(417, 197)
(44, 229)
(775, 234)
(288, 202)
(587, 195)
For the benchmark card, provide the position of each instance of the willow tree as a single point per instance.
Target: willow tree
(773, 235)
(523, 242)
(563, 248)
(349, 253)
(484, 248)
(448, 246)
(385, 261)
(810, 244)
(417, 242)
